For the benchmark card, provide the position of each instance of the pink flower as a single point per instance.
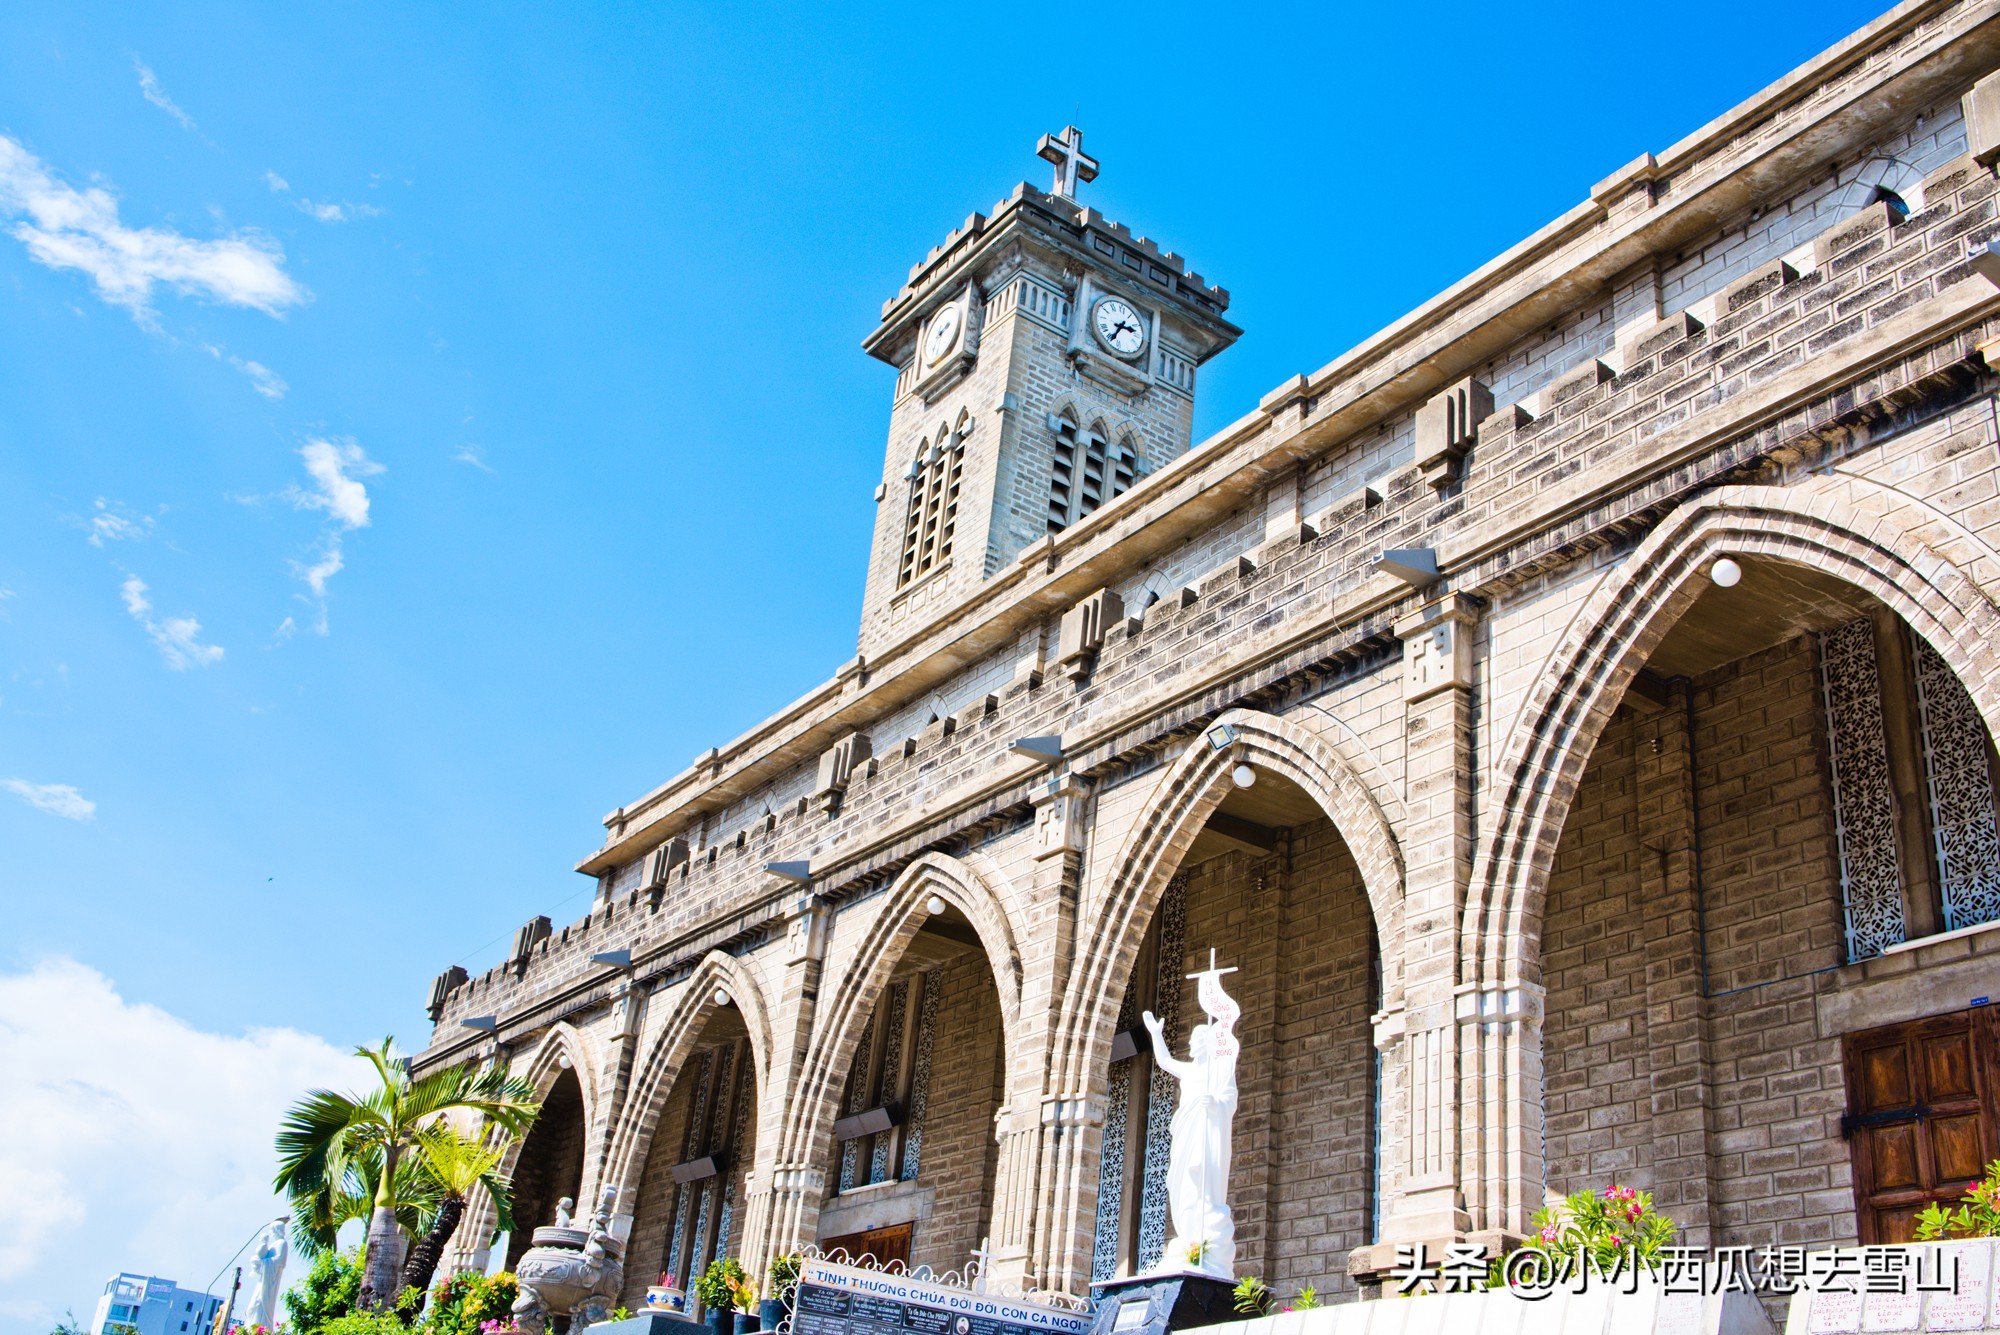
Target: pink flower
(1611, 1193)
(1549, 1233)
(1617, 1241)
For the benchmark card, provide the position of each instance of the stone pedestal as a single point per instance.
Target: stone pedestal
(1157, 1304)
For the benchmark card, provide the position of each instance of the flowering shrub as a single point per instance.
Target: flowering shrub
(472, 1304)
(1977, 1217)
(1603, 1228)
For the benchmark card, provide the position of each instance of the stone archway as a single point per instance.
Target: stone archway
(847, 1004)
(667, 1052)
(542, 1069)
(552, 1160)
(1911, 559)
(1133, 884)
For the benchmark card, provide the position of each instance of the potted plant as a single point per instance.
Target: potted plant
(666, 1296)
(717, 1289)
(784, 1282)
(743, 1293)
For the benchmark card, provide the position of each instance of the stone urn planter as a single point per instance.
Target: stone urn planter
(571, 1271)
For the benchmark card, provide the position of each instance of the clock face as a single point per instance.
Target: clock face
(1119, 327)
(943, 333)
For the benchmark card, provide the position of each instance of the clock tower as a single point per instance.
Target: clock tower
(1045, 363)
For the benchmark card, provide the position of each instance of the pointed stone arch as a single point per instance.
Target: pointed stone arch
(667, 1051)
(542, 1069)
(974, 889)
(1160, 838)
(544, 1066)
(1901, 551)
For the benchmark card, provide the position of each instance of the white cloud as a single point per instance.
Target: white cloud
(474, 455)
(142, 1142)
(336, 467)
(277, 183)
(109, 523)
(262, 378)
(337, 213)
(319, 572)
(58, 799)
(149, 88)
(178, 638)
(67, 228)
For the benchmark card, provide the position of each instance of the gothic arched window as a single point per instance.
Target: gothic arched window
(1087, 471)
(934, 477)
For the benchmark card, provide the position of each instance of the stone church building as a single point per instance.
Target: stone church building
(1571, 710)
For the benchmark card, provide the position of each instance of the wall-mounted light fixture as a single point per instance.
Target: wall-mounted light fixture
(1047, 750)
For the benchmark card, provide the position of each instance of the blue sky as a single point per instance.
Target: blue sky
(447, 421)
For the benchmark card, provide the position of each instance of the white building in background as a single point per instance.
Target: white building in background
(152, 1306)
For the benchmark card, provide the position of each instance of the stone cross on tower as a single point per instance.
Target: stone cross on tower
(1073, 165)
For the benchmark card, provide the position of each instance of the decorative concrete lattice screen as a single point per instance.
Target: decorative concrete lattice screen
(1871, 878)
(1961, 793)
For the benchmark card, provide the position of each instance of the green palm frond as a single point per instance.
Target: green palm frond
(457, 1161)
(332, 1147)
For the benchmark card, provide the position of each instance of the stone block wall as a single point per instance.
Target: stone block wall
(1774, 918)
(959, 1147)
(1597, 1125)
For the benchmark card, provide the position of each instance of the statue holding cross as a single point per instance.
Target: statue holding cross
(1198, 1153)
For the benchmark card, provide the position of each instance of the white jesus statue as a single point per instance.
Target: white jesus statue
(1198, 1153)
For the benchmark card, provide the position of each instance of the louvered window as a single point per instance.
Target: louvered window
(1087, 472)
(934, 477)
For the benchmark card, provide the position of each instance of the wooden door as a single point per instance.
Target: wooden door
(885, 1245)
(1921, 1121)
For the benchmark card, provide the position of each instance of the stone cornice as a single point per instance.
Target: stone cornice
(1838, 103)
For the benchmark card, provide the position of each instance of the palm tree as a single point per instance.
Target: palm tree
(455, 1163)
(327, 1134)
(317, 1221)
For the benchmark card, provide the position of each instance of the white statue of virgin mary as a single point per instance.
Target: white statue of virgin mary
(1198, 1153)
